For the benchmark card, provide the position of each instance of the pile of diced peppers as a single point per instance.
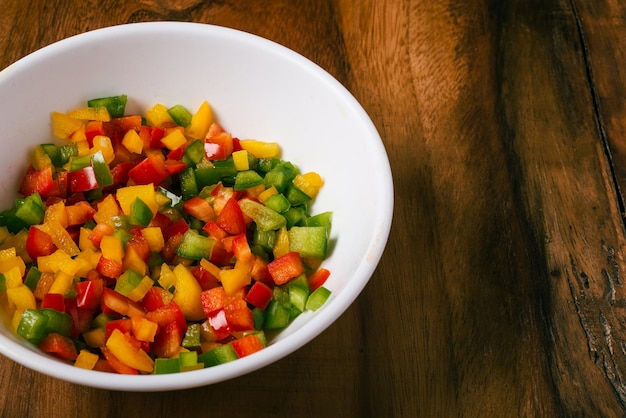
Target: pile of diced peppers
(158, 244)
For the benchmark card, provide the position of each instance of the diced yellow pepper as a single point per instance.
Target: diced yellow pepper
(21, 297)
(240, 159)
(9, 261)
(104, 144)
(63, 125)
(82, 146)
(158, 115)
(260, 149)
(112, 248)
(211, 268)
(234, 279)
(54, 262)
(79, 136)
(91, 113)
(40, 159)
(95, 337)
(87, 261)
(13, 277)
(127, 195)
(84, 243)
(200, 122)
(141, 289)
(132, 141)
(124, 351)
(174, 139)
(56, 212)
(154, 236)
(263, 196)
(166, 277)
(187, 292)
(107, 209)
(310, 183)
(281, 244)
(62, 283)
(144, 329)
(132, 260)
(86, 359)
(60, 237)
(4, 234)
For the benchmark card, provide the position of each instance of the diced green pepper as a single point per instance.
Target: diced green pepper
(278, 202)
(191, 340)
(317, 298)
(52, 151)
(101, 169)
(219, 355)
(188, 184)
(195, 246)
(296, 196)
(207, 176)
(66, 152)
(194, 152)
(247, 179)
(166, 365)
(309, 241)
(180, 114)
(277, 315)
(265, 218)
(116, 105)
(33, 326)
(32, 278)
(58, 322)
(140, 213)
(127, 282)
(187, 359)
(30, 209)
(258, 318)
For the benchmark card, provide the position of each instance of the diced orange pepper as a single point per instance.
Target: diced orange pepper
(144, 329)
(103, 143)
(79, 213)
(107, 208)
(200, 122)
(234, 279)
(112, 248)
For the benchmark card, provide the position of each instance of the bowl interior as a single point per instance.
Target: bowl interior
(257, 89)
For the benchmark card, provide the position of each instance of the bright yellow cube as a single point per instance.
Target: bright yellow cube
(240, 159)
(132, 141)
(174, 139)
(200, 122)
(63, 126)
(127, 195)
(260, 149)
(158, 115)
(90, 113)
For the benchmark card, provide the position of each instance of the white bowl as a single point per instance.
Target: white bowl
(258, 89)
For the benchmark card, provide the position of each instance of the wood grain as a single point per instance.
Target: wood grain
(501, 289)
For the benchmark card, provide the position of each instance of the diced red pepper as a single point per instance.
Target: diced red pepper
(247, 345)
(219, 324)
(39, 243)
(318, 278)
(219, 146)
(176, 228)
(204, 278)
(156, 298)
(174, 166)
(109, 268)
(238, 315)
(116, 128)
(214, 230)
(156, 134)
(149, 170)
(120, 172)
(81, 318)
(82, 180)
(178, 153)
(231, 218)
(167, 341)
(88, 293)
(199, 208)
(54, 301)
(286, 267)
(59, 345)
(37, 181)
(93, 128)
(169, 314)
(213, 300)
(241, 248)
(124, 325)
(259, 295)
(113, 302)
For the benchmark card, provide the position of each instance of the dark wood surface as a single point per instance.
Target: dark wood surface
(501, 291)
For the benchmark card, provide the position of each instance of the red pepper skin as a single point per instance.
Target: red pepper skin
(220, 325)
(161, 221)
(286, 268)
(38, 243)
(176, 228)
(231, 218)
(59, 345)
(238, 315)
(213, 300)
(81, 318)
(167, 341)
(120, 172)
(169, 314)
(178, 153)
(93, 128)
(54, 301)
(149, 170)
(247, 345)
(82, 180)
(174, 166)
(259, 295)
(214, 230)
(205, 279)
(124, 325)
(37, 181)
(88, 293)
(156, 134)
(154, 299)
(318, 278)
(219, 146)
(241, 248)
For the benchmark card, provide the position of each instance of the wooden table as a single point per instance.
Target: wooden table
(501, 292)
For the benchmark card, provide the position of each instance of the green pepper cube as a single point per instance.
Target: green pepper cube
(194, 153)
(317, 298)
(53, 152)
(258, 318)
(207, 176)
(101, 169)
(265, 218)
(188, 358)
(277, 315)
(247, 179)
(66, 152)
(296, 196)
(58, 322)
(79, 162)
(115, 105)
(309, 241)
(219, 355)
(33, 326)
(166, 365)
(128, 281)
(191, 340)
(188, 183)
(298, 296)
(321, 219)
(195, 246)
(140, 213)
(32, 277)
(278, 202)
(180, 114)
(30, 209)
